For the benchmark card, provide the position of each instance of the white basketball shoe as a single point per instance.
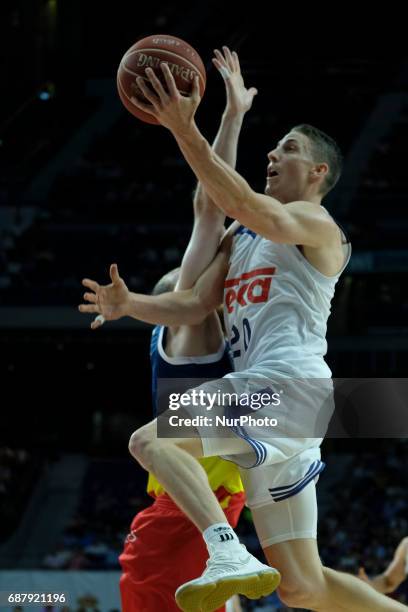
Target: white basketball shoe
(227, 573)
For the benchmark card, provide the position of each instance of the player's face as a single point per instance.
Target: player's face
(289, 168)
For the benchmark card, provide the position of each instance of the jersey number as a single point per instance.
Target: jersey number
(246, 335)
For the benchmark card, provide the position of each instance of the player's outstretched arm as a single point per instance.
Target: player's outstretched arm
(209, 220)
(295, 223)
(187, 307)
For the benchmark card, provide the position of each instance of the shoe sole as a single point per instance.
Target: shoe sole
(209, 597)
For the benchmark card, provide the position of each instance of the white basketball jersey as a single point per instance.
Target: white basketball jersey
(276, 306)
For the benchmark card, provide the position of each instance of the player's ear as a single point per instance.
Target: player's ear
(319, 170)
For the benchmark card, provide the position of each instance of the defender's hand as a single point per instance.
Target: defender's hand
(239, 98)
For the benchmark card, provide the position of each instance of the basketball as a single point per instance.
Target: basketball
(184, 63)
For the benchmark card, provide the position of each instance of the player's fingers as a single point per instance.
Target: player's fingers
(87, 282)
(228, 57)
(195, 92)
(147, 92)
(98, 322)
(170, 82)
(222, 69)
(157, 86)
(88, 308)
(91, 297)
(235, 59)
(253, 91)
(219, 56)
(114, 273)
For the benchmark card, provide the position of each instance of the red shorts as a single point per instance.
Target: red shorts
(164, 550)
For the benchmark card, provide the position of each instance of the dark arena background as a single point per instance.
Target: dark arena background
(84, 184)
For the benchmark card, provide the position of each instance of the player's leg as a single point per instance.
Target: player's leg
(307, 584)
(231, 569)
(356, 595)
(287, 532)
(173, 461)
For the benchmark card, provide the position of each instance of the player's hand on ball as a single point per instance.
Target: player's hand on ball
(173, 110)
(108, 301)
(239, 98)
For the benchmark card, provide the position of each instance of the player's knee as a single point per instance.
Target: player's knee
(298, 592)
(141, 445)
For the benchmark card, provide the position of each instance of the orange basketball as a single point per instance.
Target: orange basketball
(184, 63)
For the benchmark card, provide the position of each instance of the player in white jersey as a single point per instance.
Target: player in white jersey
(287, 303)
(290, 227)
(394, 575)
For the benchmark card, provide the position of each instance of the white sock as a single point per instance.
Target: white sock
(220, 536)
